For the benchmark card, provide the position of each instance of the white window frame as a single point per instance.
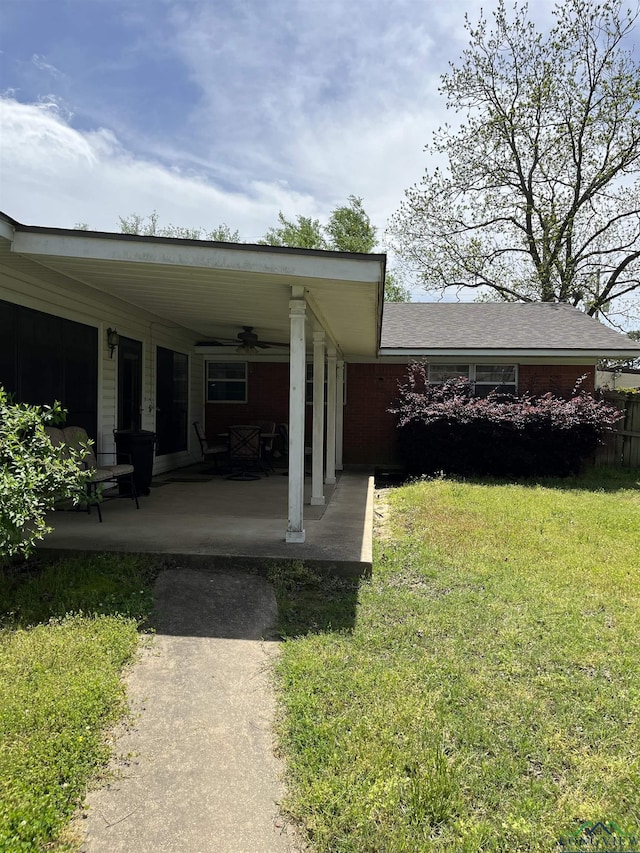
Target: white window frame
(472, 372)
(240, 381)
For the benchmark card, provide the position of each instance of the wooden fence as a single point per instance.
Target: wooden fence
(623, 446)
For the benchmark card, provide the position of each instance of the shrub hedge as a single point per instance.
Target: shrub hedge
(445, 428)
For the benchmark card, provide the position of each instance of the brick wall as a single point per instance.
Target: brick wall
(370, 435)
(267, 399)
(560, 379)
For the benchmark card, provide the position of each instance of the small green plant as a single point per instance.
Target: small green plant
(34, 474)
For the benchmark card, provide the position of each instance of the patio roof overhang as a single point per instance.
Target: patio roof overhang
(213, 289)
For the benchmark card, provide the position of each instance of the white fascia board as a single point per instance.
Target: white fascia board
(6, 229)
(127, 250)
(514, 355)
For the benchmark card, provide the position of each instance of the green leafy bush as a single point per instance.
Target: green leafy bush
(446, 428)
(33, 474)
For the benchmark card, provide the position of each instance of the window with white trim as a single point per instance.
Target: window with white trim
(226, 381)
(483, 377)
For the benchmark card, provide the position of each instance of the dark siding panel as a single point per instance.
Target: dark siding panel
(40, 358)
(44, 358)
(8, 377)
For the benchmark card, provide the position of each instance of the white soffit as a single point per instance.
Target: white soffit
(213, 289)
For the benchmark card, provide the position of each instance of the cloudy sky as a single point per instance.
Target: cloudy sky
(212, 111)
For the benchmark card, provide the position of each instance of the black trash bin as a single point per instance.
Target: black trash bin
(136, 446)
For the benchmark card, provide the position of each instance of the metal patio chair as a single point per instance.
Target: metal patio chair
(208, 448)
(245, 452)
(101, 472)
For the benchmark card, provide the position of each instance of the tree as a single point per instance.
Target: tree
(348, 229)
(394, 289)
(304, 233)
(149, 226)
(540, 200)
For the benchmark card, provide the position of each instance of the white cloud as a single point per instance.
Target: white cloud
(300, 105)
(52, 174)
(41, 63)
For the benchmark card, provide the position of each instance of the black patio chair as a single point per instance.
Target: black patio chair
(245, 452)
(209, 449)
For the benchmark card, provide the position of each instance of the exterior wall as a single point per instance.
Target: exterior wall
(267, 399)
(612, 379)
(25, 283)
(560, 379)
(370, 434)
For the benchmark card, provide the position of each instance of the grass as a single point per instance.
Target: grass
(67, 629)
(485, 696)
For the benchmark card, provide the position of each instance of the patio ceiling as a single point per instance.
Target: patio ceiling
(213, 289)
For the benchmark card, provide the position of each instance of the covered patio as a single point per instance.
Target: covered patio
(153, 312)
(220, 523)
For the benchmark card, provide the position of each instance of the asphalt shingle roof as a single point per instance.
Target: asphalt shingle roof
(464, 325)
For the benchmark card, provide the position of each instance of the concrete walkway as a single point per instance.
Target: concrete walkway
(197, 772)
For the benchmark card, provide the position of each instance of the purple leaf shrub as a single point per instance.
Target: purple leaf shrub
(446, 428)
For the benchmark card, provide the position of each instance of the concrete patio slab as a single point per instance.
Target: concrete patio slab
(225, 524)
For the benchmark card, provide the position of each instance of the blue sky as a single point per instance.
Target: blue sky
(212, 112)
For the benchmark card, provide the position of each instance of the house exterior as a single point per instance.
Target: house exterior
(137, 333)
(522, 348)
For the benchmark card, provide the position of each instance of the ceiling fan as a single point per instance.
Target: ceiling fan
(249, 342)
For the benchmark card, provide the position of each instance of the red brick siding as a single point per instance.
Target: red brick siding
(370, 434)
(560, 379)
(267, 399)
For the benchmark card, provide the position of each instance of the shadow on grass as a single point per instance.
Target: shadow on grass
(313, 602)
(38, 590)
(593, 479)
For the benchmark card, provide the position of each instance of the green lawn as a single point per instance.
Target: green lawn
(66, 632)
(482, 691)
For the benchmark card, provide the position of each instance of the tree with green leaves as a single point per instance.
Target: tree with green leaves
(304, 233)
(348, 229)
(539, 197)
(149, 226)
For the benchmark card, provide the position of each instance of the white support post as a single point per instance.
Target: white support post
(330, 468)
(339, 413)
(317, 445)
(297, 379)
